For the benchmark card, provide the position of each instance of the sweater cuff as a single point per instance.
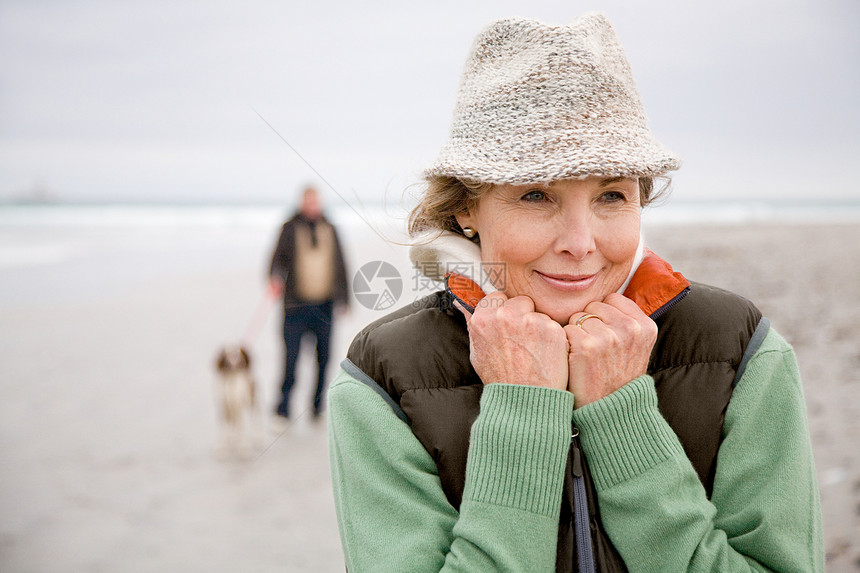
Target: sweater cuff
(518, 448)
(624, 433)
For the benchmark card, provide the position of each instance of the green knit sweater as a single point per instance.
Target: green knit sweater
(764, 514)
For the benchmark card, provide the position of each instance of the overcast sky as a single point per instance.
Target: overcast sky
(158, 100)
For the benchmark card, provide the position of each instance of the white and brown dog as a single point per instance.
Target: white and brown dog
(237, 396)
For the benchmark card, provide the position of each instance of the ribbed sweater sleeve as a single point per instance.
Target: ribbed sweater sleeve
(764, 514)
(518, 448)
(392, 512)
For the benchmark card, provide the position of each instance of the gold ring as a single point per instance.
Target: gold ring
(583, 318)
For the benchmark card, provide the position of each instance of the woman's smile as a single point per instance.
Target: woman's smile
(568, 282)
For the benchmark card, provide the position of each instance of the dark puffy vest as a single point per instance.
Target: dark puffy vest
(418, 359)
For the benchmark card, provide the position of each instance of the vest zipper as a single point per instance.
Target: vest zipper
(584, 552)
(665, 308)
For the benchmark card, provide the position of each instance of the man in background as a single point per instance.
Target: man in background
(308, 269)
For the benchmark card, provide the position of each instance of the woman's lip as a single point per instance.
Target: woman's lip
(568, 282)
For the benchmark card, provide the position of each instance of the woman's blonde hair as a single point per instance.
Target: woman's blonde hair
(446, 197)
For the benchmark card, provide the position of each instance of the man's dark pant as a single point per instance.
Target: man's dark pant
(314, 318)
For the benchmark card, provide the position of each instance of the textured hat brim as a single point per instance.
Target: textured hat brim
(545, 159)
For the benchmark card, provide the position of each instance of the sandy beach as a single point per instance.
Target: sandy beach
(108, 423)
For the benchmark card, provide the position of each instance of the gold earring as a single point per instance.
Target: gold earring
(469, 232)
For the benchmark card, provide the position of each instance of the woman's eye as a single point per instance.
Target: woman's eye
(613, 196)
(534, 196)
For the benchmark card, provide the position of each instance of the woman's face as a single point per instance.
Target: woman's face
(564, 244)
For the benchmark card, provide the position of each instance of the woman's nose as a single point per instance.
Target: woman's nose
(575, 234)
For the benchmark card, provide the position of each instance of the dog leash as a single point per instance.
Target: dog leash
(258, 319)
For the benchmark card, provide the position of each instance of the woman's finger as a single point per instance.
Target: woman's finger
(624, 305)
(580, 319)
(610, 343)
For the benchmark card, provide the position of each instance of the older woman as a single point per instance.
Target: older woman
(569, 402)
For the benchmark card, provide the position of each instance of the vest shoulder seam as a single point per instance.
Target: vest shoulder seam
(362, 377)
(753, 345)
(386, 324)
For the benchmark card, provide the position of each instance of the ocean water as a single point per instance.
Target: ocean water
(754, 212)
(227, 215)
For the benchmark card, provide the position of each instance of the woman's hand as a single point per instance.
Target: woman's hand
(511, 343)
(608, 353)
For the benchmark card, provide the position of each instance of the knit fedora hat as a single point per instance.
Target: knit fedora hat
(539, 103)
